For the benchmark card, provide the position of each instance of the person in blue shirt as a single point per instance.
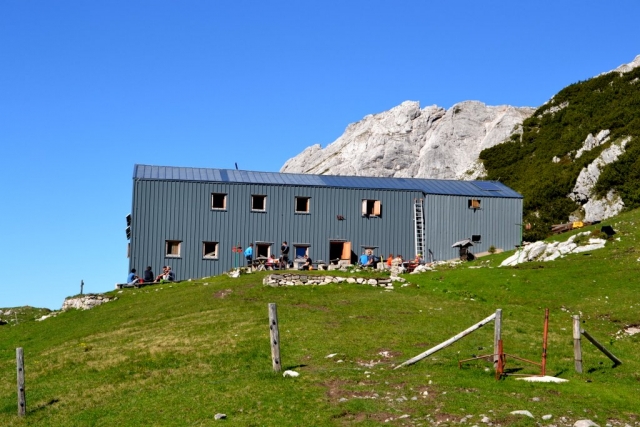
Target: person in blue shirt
(132, 279)
(248, 254)
(365, 260)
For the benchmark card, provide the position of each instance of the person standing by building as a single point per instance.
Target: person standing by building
(248, 254)
(284, 255)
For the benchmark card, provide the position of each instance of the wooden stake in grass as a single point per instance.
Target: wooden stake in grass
(22, 400)
(497, 336)
(275, 337)
(447, 342)
(577, 345)
(600, 347)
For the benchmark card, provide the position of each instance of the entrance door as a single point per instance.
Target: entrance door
(339, 250)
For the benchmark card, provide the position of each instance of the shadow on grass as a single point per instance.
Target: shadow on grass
(45, 405)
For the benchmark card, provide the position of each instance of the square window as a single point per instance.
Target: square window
(301, 251)
(302, 204)
(263, 249)
(172, 248)
(210, 250)
(258, 203)
(218, 201)
(371, 207)
(473, 204)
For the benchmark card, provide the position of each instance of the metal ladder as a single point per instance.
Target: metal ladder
(418, 221)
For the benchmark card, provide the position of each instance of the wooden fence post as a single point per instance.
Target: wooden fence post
(275, 337)
(497, 336)
(577, 345)
(22, 400)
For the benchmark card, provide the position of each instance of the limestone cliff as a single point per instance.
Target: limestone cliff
(407, 141)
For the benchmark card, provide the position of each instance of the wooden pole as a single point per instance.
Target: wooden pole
(545, 332)
(447, 342)
(81, 286)
(275, 337)
(497, 337)
(22, 400)
(600, 347)
(577, 344)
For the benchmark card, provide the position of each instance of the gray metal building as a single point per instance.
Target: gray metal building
(192, 218)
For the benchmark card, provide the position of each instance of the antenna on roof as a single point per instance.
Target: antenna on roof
(236, 166)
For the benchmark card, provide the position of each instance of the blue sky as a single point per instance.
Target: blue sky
(90, 88)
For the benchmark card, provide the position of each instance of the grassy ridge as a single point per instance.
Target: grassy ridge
(558, 129)
(178, 354)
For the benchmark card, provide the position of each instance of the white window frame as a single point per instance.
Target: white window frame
(210, 254)
(224, 202)
(169, 244)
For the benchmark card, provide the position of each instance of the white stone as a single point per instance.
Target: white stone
(292, 374)
(592, 142)
(536, 250)
(522, 412)
(545, 379)
(585, 423)
(85, 302)
(547, 417)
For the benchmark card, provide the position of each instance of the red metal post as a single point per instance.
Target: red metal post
(500, 367)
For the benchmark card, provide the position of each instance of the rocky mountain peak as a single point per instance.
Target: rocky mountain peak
(408, 141)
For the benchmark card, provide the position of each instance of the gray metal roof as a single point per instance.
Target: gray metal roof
(428, 186)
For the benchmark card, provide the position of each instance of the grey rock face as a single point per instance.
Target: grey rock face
(594, 208)
(85, 302)
(407, 141)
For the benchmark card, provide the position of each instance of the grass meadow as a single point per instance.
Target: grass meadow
(178, 354)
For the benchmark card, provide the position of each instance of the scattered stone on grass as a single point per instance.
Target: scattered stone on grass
(522, 412)
(220, 416)
(292, 374)
(585, 423)
(545, 379)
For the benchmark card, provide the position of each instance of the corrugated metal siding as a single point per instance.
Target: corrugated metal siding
(429, 186)
(448, 219)
(178, 210)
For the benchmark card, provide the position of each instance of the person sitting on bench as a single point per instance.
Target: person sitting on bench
(308, 264)
(148, 275)
(161, 276)
(170, 276)
(132, 279)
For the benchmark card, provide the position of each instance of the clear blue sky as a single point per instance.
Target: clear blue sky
(89, 88)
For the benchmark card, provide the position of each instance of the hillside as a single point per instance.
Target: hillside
(546, 162)
(175, 355)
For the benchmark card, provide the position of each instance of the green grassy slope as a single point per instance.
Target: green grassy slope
(175, 355)
(610, 101)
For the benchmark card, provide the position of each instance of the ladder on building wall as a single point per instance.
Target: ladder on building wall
(418, 220)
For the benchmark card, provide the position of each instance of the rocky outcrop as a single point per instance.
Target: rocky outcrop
(594, 208)
(625, 68)
(407, 141)
(85, 302)
(548, 251)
